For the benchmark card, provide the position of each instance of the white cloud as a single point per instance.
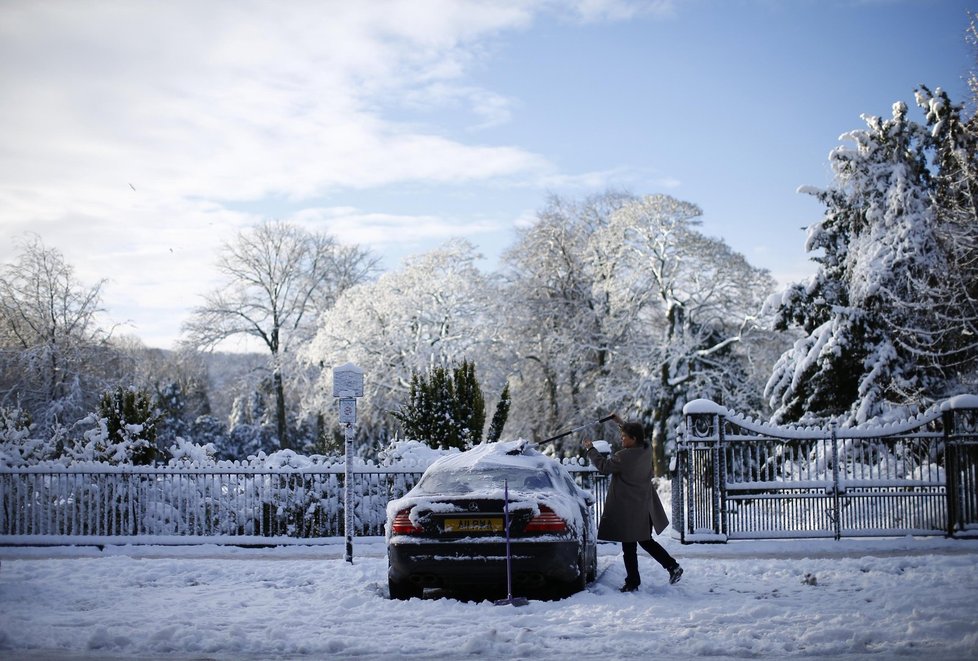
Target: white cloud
(238, 100)
(135, 133)
(198, 105)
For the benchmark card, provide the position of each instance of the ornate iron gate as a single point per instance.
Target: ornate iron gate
(742, 479)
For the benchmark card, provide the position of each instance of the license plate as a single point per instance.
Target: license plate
(474, 524)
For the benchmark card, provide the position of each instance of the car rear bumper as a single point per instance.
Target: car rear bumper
(434, 564)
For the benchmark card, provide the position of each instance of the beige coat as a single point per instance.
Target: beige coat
(632, 507)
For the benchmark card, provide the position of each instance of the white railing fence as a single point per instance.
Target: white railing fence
(243, 505)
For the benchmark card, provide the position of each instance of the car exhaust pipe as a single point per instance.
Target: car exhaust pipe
(529, 579)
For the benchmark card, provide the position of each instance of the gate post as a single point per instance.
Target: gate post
(836, 495)
(952, 490)
(704, 472)
(960, 418)
(679, 481)
(719, 479)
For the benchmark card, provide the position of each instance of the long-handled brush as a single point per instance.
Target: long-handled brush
(510, 599)
(580, 428)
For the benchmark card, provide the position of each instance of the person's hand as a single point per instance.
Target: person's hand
(586, 444)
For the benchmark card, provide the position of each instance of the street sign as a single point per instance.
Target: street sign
(347, 386)
(347, 381)
(348, 411)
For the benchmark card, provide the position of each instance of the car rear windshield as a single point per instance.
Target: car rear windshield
(484, 479)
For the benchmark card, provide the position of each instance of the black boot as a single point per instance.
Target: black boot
(675, 573)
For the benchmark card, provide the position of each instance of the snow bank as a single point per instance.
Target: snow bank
(851, 600)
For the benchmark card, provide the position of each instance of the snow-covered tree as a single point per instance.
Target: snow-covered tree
(278, 278)
(620, 304)
(971, 36)
(952, 343)
(890, 312)
(121, 431)
(561, 327)
(437, 310)
(207, 430)
(19, 444)
(445, 408)
(54, 355)
(694, 301)
(499, 417)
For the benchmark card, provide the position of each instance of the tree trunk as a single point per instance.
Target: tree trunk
(280, 421)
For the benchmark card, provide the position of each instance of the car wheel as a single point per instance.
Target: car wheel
(405, 590)
(592, 568)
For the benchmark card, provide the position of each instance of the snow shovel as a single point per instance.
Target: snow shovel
(510, 599)
(577, 429)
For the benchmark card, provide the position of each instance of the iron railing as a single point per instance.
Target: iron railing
(239, 505)
(741, 479)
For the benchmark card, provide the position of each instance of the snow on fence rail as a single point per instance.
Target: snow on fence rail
(737, 478)
(178, 505)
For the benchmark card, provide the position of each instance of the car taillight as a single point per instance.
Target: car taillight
(402, 524)
(546, 521)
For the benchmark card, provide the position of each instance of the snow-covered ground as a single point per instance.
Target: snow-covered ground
(853, 599)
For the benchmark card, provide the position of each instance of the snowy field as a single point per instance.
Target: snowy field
(853, 599)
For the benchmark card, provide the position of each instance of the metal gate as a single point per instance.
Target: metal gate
(742, 479)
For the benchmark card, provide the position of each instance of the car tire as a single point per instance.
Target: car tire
(405, 590)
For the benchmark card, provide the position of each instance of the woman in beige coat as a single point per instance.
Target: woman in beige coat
(632, 508)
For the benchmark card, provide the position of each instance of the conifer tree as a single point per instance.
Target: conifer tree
(888, 317)
(446, 408)
(131, 420)
(499, 417)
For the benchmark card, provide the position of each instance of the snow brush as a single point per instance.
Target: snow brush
(510, 599)
(577, 429)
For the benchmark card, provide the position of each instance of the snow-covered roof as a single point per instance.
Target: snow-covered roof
(516, 453)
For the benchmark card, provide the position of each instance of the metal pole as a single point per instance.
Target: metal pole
(348, 493)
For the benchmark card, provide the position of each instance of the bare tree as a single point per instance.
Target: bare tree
(49, 332)
(279, 277)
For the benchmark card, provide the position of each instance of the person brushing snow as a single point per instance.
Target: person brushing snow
(632, 508)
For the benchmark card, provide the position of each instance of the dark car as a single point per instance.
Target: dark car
(449, 530)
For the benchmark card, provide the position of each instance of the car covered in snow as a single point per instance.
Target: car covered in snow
(449, 531)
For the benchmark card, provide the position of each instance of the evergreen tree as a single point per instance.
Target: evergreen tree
(446, 408)
(470, 405)
(881, 309)
(125, 430)
(208, 430)
(499, 417)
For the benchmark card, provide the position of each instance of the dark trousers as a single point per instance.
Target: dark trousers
(653, 548)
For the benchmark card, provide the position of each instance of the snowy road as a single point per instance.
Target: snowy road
(852, 599)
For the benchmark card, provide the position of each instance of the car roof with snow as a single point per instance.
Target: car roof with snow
(508, 454)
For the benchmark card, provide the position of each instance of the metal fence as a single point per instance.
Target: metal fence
(741, 479)
(244, 505)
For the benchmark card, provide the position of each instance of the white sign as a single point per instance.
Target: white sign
(347, 381)
(348, 411)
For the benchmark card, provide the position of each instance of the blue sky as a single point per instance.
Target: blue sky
(398, 125)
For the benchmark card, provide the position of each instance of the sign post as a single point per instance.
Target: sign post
(347, 386)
